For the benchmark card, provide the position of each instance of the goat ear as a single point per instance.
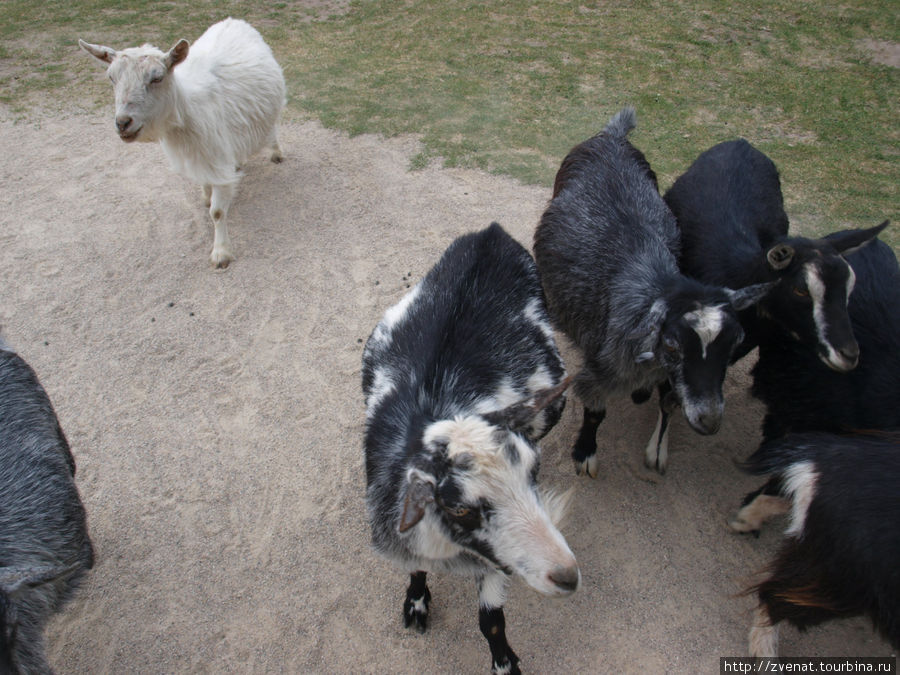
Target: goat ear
(748, 295)
(419, 494)
(177, 54)
(105, 54)
(648, 332)
(519, 415)
(12, 579)
(848, 241)
(780, 256)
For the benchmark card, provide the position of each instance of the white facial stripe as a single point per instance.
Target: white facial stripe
(707, 323)
(800, 483)
(817, 294)
(851, 281)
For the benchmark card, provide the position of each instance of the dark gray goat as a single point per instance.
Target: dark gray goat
(461, 377)
(44, 543)
(734, 232)
(606, 251)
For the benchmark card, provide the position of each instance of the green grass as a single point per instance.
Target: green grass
(510, 86)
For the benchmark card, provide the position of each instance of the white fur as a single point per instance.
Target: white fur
(521, 530)
(504, 396)
(817, 294)
(763, 635)
(394, 316)
(492, 591)
(397, 313)
(534, 315)
(210, 112)
(656, 454)
(382, 385)
(800, 483)
(707, 323)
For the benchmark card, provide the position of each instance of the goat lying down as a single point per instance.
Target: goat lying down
(606, 250)
(461, 378)
(211, 106)
(45, 549)
(839, 557)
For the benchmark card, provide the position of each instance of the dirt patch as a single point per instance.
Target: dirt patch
(882, 51)
(217, 422)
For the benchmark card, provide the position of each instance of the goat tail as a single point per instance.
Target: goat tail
(622, 122)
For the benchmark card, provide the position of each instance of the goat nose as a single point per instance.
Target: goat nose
(566, 578)
(710, 422)
(122, 122)
(850, 352)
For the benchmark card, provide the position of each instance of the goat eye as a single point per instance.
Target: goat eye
(670, 346)
(156, 80)
(459, 512)
(800, 292)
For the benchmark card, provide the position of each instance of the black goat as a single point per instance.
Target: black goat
(461, 377)
(44, 543)
(839, 558)
(802, 394)
(606, 251)
(734, 232)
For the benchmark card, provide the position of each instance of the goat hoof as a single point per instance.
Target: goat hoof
(277, 158)
(415, 611)
(743, 527)
(220, 259)
(589, 466)
(657, 465)
(509, 665)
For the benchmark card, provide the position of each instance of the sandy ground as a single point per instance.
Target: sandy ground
(217, 419)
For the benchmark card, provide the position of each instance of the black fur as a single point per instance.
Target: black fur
(802, 394)
(730, 212)
(416, 593)
(844, 562)
(493, 626)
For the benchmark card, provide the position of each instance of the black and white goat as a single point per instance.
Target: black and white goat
(802, 394)
(606, 250)
(44, 543)
(839, 558)
(461, 377)
(734, 232)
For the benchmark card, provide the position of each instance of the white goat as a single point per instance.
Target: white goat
(219, 107)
